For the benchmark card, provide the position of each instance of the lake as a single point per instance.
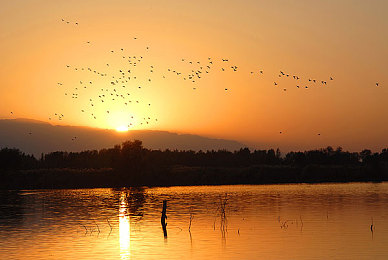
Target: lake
(299, 221)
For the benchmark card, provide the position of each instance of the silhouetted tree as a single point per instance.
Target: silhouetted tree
(15, 159)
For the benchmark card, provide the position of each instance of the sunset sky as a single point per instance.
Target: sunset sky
(43, 61)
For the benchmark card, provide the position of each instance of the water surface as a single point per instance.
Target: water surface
(319, 221)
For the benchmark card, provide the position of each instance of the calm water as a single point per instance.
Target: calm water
(324, 221)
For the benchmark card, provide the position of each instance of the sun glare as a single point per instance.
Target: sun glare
(119, 120)
(122, 128)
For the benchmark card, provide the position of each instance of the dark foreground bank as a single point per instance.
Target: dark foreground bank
(181, 175)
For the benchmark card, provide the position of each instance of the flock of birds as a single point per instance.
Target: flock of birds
(113, 88)
(69, 22)
(120, 84)
(297, 78)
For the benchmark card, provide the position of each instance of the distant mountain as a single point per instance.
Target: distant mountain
(36, 137)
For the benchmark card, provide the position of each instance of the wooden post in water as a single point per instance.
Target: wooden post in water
(163, 218)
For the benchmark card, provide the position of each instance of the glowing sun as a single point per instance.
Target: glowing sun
(122, 128)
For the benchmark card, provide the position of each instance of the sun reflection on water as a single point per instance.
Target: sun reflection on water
(124, 228)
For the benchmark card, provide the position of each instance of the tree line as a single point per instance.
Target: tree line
(131, 156)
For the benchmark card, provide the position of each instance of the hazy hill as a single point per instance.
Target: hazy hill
(36, 137)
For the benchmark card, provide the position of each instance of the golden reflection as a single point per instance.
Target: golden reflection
(124, 228)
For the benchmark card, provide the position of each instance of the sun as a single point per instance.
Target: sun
(119, 120)
(122, 128)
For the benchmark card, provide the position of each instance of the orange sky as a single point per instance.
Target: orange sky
(345, 40)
